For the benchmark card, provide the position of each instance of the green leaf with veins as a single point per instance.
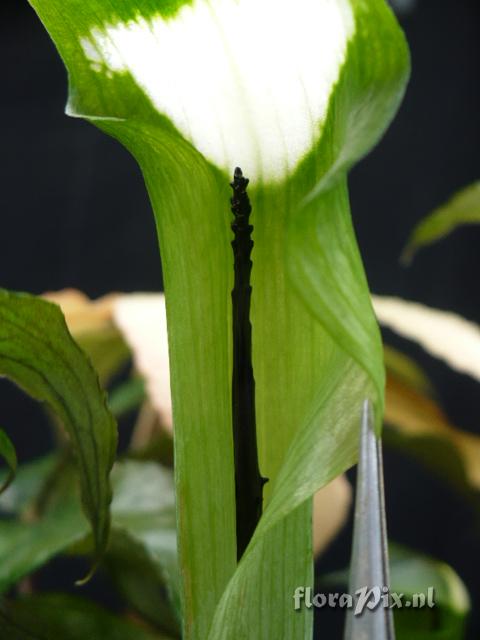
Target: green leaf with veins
(38, 353)
(143, 529)
(462, 209)
(8, 453)
(294, 102)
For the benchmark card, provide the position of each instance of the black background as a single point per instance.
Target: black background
(74, 213)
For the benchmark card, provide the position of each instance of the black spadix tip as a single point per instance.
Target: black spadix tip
(240, 183)
(241, 207)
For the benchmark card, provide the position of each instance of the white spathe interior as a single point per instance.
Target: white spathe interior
(142, 319)
(247, 82)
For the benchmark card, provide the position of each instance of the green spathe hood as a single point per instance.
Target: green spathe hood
(294, 94)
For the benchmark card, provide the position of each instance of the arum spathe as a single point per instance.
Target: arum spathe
(294, 94)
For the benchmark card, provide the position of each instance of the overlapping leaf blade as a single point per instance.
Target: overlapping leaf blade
(313, 362)
(38, 353)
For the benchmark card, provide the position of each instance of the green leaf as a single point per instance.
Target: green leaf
(412, 572)
(107, 351)
(462, 209)
(31, 478)
(91, 324)
(24, 548)
(38, 353)
(143, 532)
(407, 370)
(143, 509)
(33, 538)
(52, 616)
(142, 580)
(127, 397)
(8, 453)
(295, 105)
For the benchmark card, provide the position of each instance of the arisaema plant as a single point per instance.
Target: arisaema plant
(294, 94)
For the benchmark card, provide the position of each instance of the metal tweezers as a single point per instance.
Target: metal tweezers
(369, 563)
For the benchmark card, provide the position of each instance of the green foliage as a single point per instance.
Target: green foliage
(144, 524)
(127, 397)
(413, 573)
(21, 495)
(38, 353)
(29, 539)
(107, 351)
(438, 454)
(317, 349)
(7, 452)
(55, 616)
(462, 209)
(143, 535)
(24, 548)
(143, 580)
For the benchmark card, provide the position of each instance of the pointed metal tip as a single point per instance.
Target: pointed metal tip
(368, 421)
(369, 563)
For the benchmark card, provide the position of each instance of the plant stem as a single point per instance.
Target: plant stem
(248, 481)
